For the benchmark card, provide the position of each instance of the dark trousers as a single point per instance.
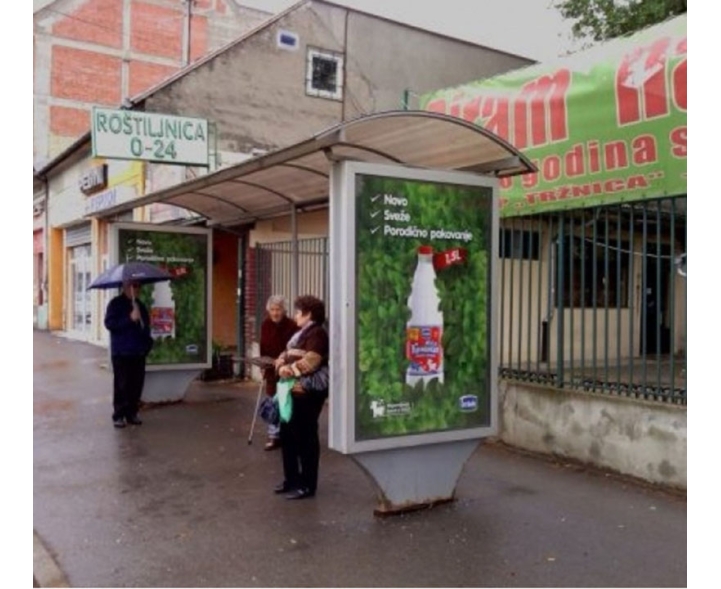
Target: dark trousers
(299, 441)
(128, 381)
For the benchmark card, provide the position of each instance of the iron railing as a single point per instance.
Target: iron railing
(274, 272)
(595, 299)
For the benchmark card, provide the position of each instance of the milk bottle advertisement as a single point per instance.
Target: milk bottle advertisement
(422, 293)
(178, 308)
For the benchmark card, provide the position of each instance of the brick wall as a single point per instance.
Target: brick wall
(85, 76)
(90, 52)
(144, 74)
(99, 22)
(156, 30)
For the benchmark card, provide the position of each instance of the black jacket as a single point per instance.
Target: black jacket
(127, 337)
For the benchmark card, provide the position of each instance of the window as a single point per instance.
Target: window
(324, 76)
(518, 244)
(607, 271)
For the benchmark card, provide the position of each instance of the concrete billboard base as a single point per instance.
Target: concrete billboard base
(167, 386)
(418, 477)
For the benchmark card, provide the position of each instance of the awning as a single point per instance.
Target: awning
(298, 176)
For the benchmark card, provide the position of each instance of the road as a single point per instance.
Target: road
(183, 501)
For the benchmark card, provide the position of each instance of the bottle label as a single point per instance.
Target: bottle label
(162, 320)
(423, 350)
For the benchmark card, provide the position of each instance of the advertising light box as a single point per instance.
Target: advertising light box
(412, 260)
(180, 309)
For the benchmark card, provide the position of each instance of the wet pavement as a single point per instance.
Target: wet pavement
(184, 501)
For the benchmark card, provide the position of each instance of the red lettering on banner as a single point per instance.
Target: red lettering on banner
(678, 142)
(564, 192)
(505, 182)
(530, 180)
(636, 182)
(641, 89)
(574, 161)
(495, 116)
(472, 109)
(616, 155)
(594, 158)
(581, 190)
(551, 168)
(547, 195)
(437, 105)
(455, 110)
(614, 185)
(546, 99)
(678, 78)
(644, 150)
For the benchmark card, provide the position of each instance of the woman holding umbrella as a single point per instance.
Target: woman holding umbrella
(128, 322)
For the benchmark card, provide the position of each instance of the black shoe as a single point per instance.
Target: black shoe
(120, 422)
(284, 487)
(302, 493)
(134, 420)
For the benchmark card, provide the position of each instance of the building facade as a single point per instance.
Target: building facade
(308, 68)
(102, 52)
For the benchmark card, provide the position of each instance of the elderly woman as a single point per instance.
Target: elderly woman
(306, 360)
(275, 332)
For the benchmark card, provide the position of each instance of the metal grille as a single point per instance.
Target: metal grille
(274, 272)
(595, 299)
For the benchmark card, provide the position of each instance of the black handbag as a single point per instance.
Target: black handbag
(317, 382)
(268, 411)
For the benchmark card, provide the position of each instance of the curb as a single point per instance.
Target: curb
(46, 572)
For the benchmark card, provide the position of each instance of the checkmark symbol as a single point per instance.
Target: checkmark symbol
(375, 229)
(376, 197)
(374, 214)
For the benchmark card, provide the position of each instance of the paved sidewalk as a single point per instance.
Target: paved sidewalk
(184, 501)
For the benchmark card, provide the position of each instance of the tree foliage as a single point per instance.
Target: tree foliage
(606, 19)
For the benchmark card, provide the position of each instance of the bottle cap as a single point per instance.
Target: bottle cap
(425, 249)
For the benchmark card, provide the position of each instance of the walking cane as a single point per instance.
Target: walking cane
(255, 413)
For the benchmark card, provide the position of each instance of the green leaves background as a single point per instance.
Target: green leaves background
(189, 292)
(384, 272)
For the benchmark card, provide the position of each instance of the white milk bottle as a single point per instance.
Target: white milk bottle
(162, 312)
(425, 327)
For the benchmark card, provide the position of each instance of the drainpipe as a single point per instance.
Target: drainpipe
(46, 252)
(186, 30)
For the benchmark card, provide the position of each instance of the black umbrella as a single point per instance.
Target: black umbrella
(140, 272)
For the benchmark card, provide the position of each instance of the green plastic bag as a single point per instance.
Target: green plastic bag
(284, 398)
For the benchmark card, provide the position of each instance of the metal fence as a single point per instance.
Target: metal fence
(274, 272)
(591, 299)
(595, 299)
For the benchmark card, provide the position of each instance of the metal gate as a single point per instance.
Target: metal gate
(274, 272)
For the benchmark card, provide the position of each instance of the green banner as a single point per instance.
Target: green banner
(602, 126)
(178, 308)
(422, 294)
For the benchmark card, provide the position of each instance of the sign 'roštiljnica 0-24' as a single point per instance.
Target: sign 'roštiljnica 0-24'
(136, 135)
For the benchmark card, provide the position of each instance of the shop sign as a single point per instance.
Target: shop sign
(95, 179)
(602, 126)
(135, 135)
(109, 198)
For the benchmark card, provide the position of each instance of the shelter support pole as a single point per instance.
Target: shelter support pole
(295, 262)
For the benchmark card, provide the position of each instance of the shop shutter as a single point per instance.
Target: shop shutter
(78, 235)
